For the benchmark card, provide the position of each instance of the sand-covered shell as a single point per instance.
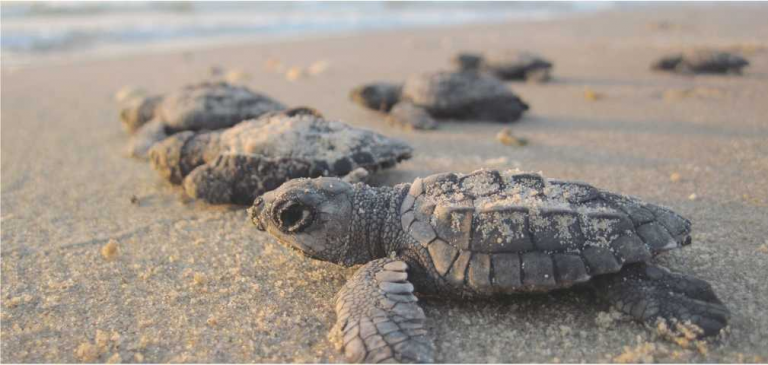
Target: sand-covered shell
(202, 106)
(506, 65)
(492, 231)
(463, 96)
(206, 105)
(702, 61)
(238, 164)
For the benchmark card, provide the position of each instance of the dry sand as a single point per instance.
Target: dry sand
(104, 261)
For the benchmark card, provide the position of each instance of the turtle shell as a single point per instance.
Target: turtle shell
(463, 95)
(511, 65)
(333, 147)
(492, 231)
(212, 105)
(702, 61)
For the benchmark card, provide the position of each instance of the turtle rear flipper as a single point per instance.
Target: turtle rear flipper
(651, 294)
(379, 318)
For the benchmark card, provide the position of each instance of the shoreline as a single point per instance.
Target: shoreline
(190, 282)
(40, 58)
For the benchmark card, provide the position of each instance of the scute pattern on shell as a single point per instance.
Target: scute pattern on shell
(213, 105)
(507, 231)
(310, 137)
(702, 61)
(238, 164)
(463, 96)
(445, 89)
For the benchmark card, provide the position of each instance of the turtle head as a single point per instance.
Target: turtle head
(379, 96)
(138, 111)
(467, 61)
(311, 216)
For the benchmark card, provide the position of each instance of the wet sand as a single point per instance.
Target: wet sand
(195, 283)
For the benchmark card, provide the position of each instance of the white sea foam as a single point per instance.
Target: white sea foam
(36, 31)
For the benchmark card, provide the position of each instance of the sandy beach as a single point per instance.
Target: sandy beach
(190, 282)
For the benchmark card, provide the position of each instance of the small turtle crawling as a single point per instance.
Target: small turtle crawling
(442, 95)
(702, 62)
(488, 233)
(240, 163)
(207, 105)
(506, 65)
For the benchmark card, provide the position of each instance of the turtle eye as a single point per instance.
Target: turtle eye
(294, 217)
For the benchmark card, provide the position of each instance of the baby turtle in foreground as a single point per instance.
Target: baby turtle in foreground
(702, 62)
(506, 65)
(488, 233)
(208, 105)
(442, 95)
(240, 163)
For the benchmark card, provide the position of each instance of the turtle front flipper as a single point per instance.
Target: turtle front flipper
(178, 155)
(379, 317)
(240, 178)
(358, 175)
(145, 137)
(651, 293)
(405, 114)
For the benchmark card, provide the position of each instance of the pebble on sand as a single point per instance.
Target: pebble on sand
(592, 95)
(318, 67)
(645, 353)
(129, 92)
(506, 138)
(109, 251)
(87, 352)
(294, 73)
(237, 76)
(212, 321)
(274, 65)
(115, 359)
(674, 177)
(199, 279)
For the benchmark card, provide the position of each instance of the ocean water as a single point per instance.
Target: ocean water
(50, 31)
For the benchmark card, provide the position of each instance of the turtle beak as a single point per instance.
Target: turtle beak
(256, 209)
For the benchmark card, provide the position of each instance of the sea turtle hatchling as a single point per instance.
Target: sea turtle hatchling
(206, 105)
(488, 233)
(423, 98)
(238, 164)
(506, 65)
(702, 61)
